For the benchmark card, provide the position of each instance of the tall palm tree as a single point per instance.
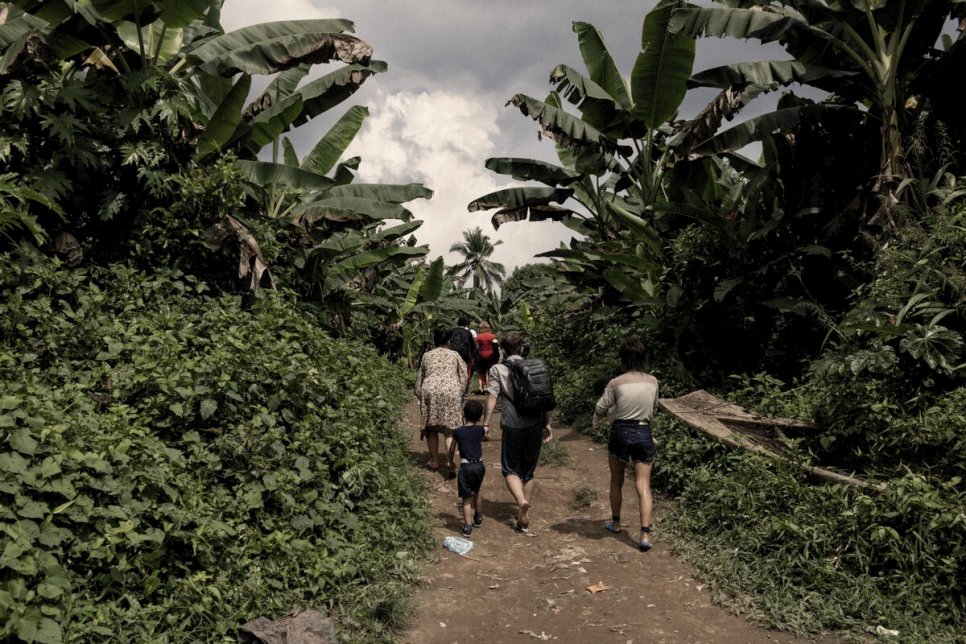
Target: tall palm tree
(476, 249)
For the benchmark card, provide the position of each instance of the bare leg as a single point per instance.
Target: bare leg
(616, 485)
(448, 441)
(519, 492)
(468, 510)
(432, 443)
(478, 502)
(642, 472)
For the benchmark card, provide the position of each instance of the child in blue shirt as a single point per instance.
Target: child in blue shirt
(469, 440)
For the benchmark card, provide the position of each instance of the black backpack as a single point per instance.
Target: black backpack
(532, 386)
(461, 341)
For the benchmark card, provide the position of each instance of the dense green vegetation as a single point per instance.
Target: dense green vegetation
(793, 285)
(175, 464)
(200, 347)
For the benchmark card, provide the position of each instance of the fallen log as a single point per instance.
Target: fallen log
(738, 428)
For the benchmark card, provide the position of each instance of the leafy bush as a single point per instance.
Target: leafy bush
(172, 465)
(808, 558)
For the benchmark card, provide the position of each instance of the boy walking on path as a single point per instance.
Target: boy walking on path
(523, 435)
(469, 440)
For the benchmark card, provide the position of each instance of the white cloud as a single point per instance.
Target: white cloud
(442, 139)
(241, 13)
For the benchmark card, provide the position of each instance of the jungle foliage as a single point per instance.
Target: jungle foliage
(175, 463)
(823, 281)
(189, 417)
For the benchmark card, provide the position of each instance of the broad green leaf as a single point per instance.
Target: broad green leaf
(632, 288)
(289, 155)
(160, 42)
(285, 83)
(390, 193)
(263, 173)
(532, 170)
(377, 256)
(766, 26)
(517, 197)
(330, 147)
(600, 65)
(226, 118)
(433, 286)
(661, 72)
(275, 46)
(412, 295)
(566, 129)
(315, 98)
(22, 441)
(207, 408)
(755, 129)
(183, 12)
(395, 232)
(352, 208)
(767, 74)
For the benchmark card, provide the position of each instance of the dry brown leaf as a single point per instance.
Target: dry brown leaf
(597, 588)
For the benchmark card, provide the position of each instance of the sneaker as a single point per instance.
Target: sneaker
(477, 519)
(466, 530)
(612, 526)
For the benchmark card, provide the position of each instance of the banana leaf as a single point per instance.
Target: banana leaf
(600, 65)
(225, 120)
(518, 197)
(390, 193)
(757, 128)
(263, 173)
(532, 170)
(433, 286)
(660, 74)
(350, 209)
(767, 74)
(766, 26)
(565, 129)
(325, 154)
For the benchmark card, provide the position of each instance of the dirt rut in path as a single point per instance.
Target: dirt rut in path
(518, 588)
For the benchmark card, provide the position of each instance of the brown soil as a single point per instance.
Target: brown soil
(518, 588)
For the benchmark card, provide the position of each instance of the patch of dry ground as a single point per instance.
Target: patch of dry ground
(518, 588)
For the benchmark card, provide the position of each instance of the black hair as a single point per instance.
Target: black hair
(441, 335)
(632, 354)
(473, 410)
(463, 321)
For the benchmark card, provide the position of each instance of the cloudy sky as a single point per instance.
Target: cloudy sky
(439, 112)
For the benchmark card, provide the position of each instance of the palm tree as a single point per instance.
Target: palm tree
(476, 249)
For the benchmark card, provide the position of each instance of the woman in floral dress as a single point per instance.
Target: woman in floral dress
(439, 388)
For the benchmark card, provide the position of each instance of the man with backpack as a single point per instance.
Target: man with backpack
(463, 342)
(526, 389)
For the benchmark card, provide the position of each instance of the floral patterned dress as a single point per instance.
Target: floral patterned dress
(442, 379)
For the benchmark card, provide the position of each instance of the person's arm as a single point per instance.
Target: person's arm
(419, 379)
(488, 414)
(600, 410)
(452, 454)
(547, 429)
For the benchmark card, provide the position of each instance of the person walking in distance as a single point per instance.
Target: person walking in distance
(523, 431)
(631, 398)
(463, 342)
(487, 355)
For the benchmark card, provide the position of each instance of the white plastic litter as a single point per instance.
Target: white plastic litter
(459, 545)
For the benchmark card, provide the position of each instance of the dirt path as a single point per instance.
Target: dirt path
(518, 588)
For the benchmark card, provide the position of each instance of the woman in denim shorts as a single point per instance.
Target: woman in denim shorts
(630, 399)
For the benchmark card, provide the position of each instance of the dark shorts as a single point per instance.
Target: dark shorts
(520, 450)
(631, 442)
(469, 479)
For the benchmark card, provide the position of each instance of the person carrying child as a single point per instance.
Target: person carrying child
(469, 440)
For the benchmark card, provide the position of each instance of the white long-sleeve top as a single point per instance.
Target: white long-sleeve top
(630, 396)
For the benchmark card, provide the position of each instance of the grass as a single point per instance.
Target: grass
(553, 453)
(584, 496)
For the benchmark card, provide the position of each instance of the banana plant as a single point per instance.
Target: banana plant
(613, 158)
(868, 53)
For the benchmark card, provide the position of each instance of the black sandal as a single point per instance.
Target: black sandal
(645, 543)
